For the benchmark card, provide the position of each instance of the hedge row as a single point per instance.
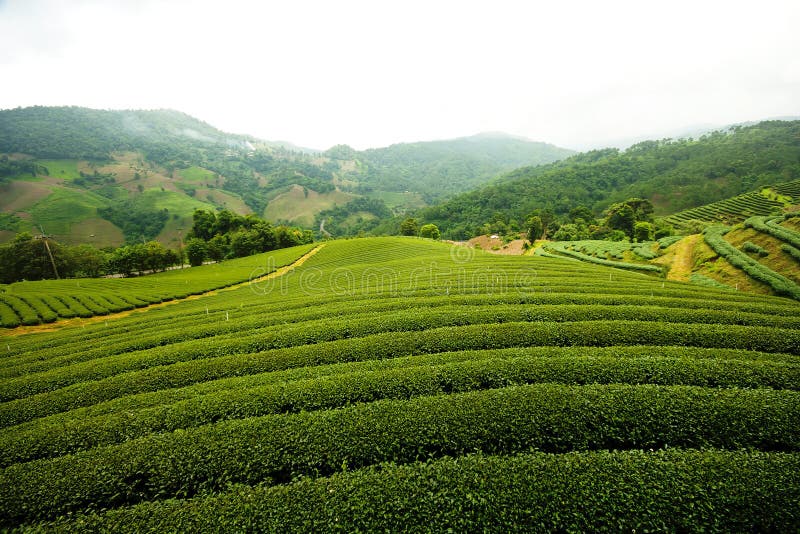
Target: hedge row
(668, 241)
(749, 246)
(388, 362)
(45, 313)
(8, 317)
(768, 226)
(540, 285)
(608, 263)
(393, 344)
(100, 297)
(59, 436)
(360, 325)
(277, 449)
(57, 306)
(645, 250)
(44, 354)
(27, 315)
(791, 251)
(781, 285)
(630, 491)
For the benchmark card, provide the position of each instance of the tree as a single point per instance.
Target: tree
(87, 261)
(204, 222)
(195, 251)
(642, 208)
(570, 232)
(217, 247)
(643, 231)
(581, 213)
(409, 227)
(430, 231)
(244, 243)
(535, 228)
(621, 217)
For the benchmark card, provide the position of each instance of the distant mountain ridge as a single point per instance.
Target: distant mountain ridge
(674, 175)
(71, 167)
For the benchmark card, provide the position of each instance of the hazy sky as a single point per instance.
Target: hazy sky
(575, 73)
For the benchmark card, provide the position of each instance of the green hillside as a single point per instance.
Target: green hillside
(766, 201)
(118, 155)
(674, 175)
(440, 169)
(512, 392)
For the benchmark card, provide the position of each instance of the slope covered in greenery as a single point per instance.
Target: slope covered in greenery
(766, 201)
(440, 169)
(673, 174)
(510, 391)
(179, 163)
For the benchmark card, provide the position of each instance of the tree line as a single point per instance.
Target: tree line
(224, 234)
(214, 236)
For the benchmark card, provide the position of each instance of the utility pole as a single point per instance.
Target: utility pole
(44, 237)
(180, 245)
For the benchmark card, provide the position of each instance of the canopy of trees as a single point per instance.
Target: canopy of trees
(672, 174)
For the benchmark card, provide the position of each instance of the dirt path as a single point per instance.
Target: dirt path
(683, 260)
(78, 321)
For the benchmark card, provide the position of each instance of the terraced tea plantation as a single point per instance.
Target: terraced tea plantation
(737, 209)
(45, 301)
(399, 384)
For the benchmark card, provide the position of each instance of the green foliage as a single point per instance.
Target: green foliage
(9, 222)
(13, 168)
(429, 231)
(135, 221)
(749, 246)
(505, 390)
(791, 251)
(409, 227)
(643, 231)
(716, 166)
(737, 209)
(272, 450)
(359, 215)
(598, 251)
(614, 491)
(668, 241)
(435, 374)
(196, 251)
(535, 228)
(779, 284)
(702, 280)
(440, 169)
(87, 297)
(772, 227)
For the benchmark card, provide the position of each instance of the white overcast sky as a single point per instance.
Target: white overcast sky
(575, 73)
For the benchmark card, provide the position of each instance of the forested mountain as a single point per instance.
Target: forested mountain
(673, 174)
(440, 169)
(120, 176)
(82, 133)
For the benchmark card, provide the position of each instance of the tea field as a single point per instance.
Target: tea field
(406, 385)
(45, 301)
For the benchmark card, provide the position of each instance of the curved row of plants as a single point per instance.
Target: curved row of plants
(575, 397)
(615, 491)
(714, 237)
(440, 373)
(276, 449)
(32, 303)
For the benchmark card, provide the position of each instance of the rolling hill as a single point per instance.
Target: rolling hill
(105, 176)
(674, 175)
(510, 392)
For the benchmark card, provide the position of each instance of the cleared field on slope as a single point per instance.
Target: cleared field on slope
(300, 206)
(398, 383)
